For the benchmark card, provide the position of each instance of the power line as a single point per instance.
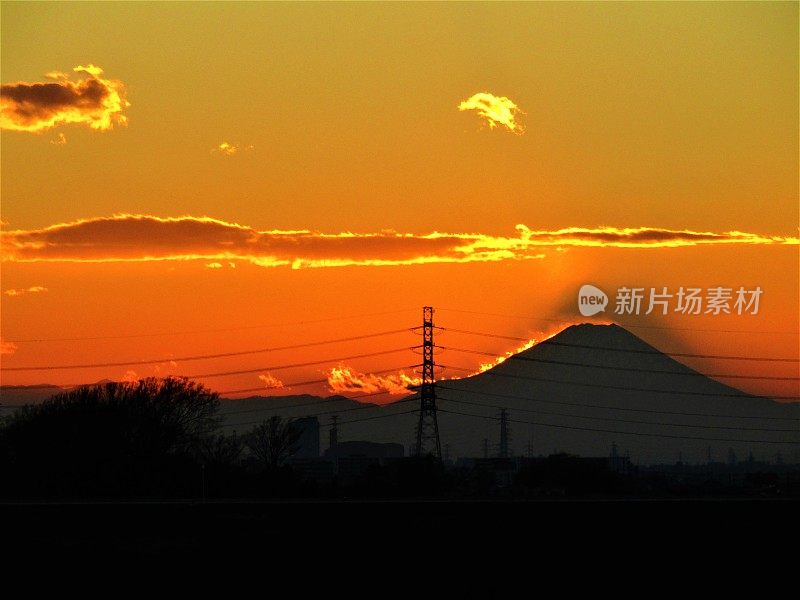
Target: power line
(626, 409)
(207, 356)
(562, 321)
(322, 401)
(633, 421)
(483, 334)
(617, 432)
(286, 386)
(466, 370)
(680, 354)
(69, 386)
(370, 418)
(472, 372)
(295, 365)
(632, 369)
(309, 382)
(656, 352)
(41, 386)
(329, 399)
(626, 388)
(221, 330)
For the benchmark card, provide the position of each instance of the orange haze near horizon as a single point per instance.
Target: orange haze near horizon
(325, 170)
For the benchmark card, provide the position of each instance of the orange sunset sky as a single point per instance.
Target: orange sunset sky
(189, 179)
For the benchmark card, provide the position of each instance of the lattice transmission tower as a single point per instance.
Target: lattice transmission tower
(428, 427)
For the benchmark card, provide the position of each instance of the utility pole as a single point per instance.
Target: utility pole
(428, 427)
(485, 447)
(504, 433)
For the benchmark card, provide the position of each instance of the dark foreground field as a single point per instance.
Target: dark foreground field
(222, 532)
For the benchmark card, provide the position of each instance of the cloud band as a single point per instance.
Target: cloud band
(142, 238)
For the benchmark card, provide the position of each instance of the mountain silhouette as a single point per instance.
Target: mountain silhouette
(582, 391)
(590, 381)
(14, 396)
(242, 414)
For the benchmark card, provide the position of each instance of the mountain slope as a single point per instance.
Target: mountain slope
(583, 390)
(13, 396)
(594, 385)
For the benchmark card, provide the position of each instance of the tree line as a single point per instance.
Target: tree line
(156, 437)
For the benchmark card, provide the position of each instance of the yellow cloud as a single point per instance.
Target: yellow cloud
(130, 377)
(227, 149)
(345, 380)
(271, 382)
(36, 289)
(92, 101)
(497, 110)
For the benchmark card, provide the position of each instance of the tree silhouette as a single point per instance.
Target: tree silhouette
(220, 450)
(273, 441)
(111, 439)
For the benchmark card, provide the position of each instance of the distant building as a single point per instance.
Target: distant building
(353, 459)
(308, 444)
(618, 464)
